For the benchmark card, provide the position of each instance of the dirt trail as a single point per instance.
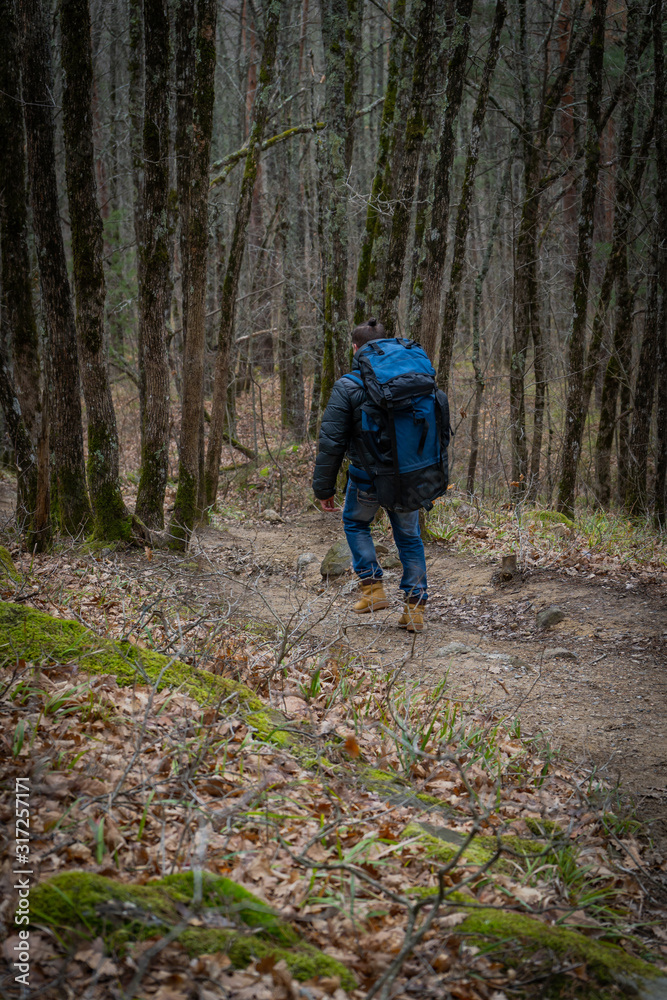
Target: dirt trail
(608, 706)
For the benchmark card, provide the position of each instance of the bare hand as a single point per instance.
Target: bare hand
(327, 505)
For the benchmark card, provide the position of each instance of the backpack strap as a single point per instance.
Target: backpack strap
(354, 377)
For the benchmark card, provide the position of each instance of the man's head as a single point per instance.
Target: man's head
(370, 330)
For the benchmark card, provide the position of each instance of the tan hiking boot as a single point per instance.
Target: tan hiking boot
(412, 618)
(373, 599)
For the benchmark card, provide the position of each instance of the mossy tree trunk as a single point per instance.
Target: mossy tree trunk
(463, 215)
(378, 195)
(341, 28)
(26, 460)
(110, 518)
(155, 256)
(426, 301)
(237, 249)
(661, 309)
(623, 204)
(64, 388)
(17, 304)
(415, 128)
(394, 164)
(194, 315)
(290, 346)
(577, 402)
(21, 395)
(445, 19)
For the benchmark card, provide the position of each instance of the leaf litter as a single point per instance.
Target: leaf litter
(373, 817)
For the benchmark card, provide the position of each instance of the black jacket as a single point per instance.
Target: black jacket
(340, 432)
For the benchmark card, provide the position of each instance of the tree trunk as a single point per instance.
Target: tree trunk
(415, 129)
(154, 289)
(378, 193)
(110, 518)
(425, 320)
(290, 353)
(185, 22)
(577, 403)
(394, 164)
(17, 304)
(539, 364)
(624, 201)
(340, 22)
(463, 215)
(636, 492)
(135, 66)
(71, 500)
(25, 458)
(428, 156)
(236, 251)
(21, 395)
(476, 338)
(194, 318)
(533, 138)
(661, 311)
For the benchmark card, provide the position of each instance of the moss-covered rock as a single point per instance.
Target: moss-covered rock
(82, 902)
(37, 637)
(607, 962)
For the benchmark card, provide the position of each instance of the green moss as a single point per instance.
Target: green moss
(33, 635)
(442, 844)
(224, 894)
(111, 522)
(7, 567)
(550, 517)
(185, 509)
(303, 960)
(267, 726)
(375, 774)
(430, 800)
(608, 962)
(77, 898)
(123, 913)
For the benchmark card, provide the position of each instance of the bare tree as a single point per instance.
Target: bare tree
(577, 403)
(111, 520)
(155, 256)
(430, 270)
(463, 215)
(237, 249)
(194, 312)
(70, 503)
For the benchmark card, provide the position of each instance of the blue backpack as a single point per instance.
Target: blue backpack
(404, 424)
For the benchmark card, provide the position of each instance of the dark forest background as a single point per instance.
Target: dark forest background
(201, 197)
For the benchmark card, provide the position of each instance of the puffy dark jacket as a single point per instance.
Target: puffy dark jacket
(339, 433)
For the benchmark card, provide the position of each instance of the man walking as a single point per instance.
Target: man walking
(345, 429)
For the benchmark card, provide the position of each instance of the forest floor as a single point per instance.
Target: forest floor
(602, 701)
(334, 766)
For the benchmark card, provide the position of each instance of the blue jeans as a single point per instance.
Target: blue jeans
(359, 510)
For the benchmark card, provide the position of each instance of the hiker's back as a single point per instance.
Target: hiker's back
(404, 425)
